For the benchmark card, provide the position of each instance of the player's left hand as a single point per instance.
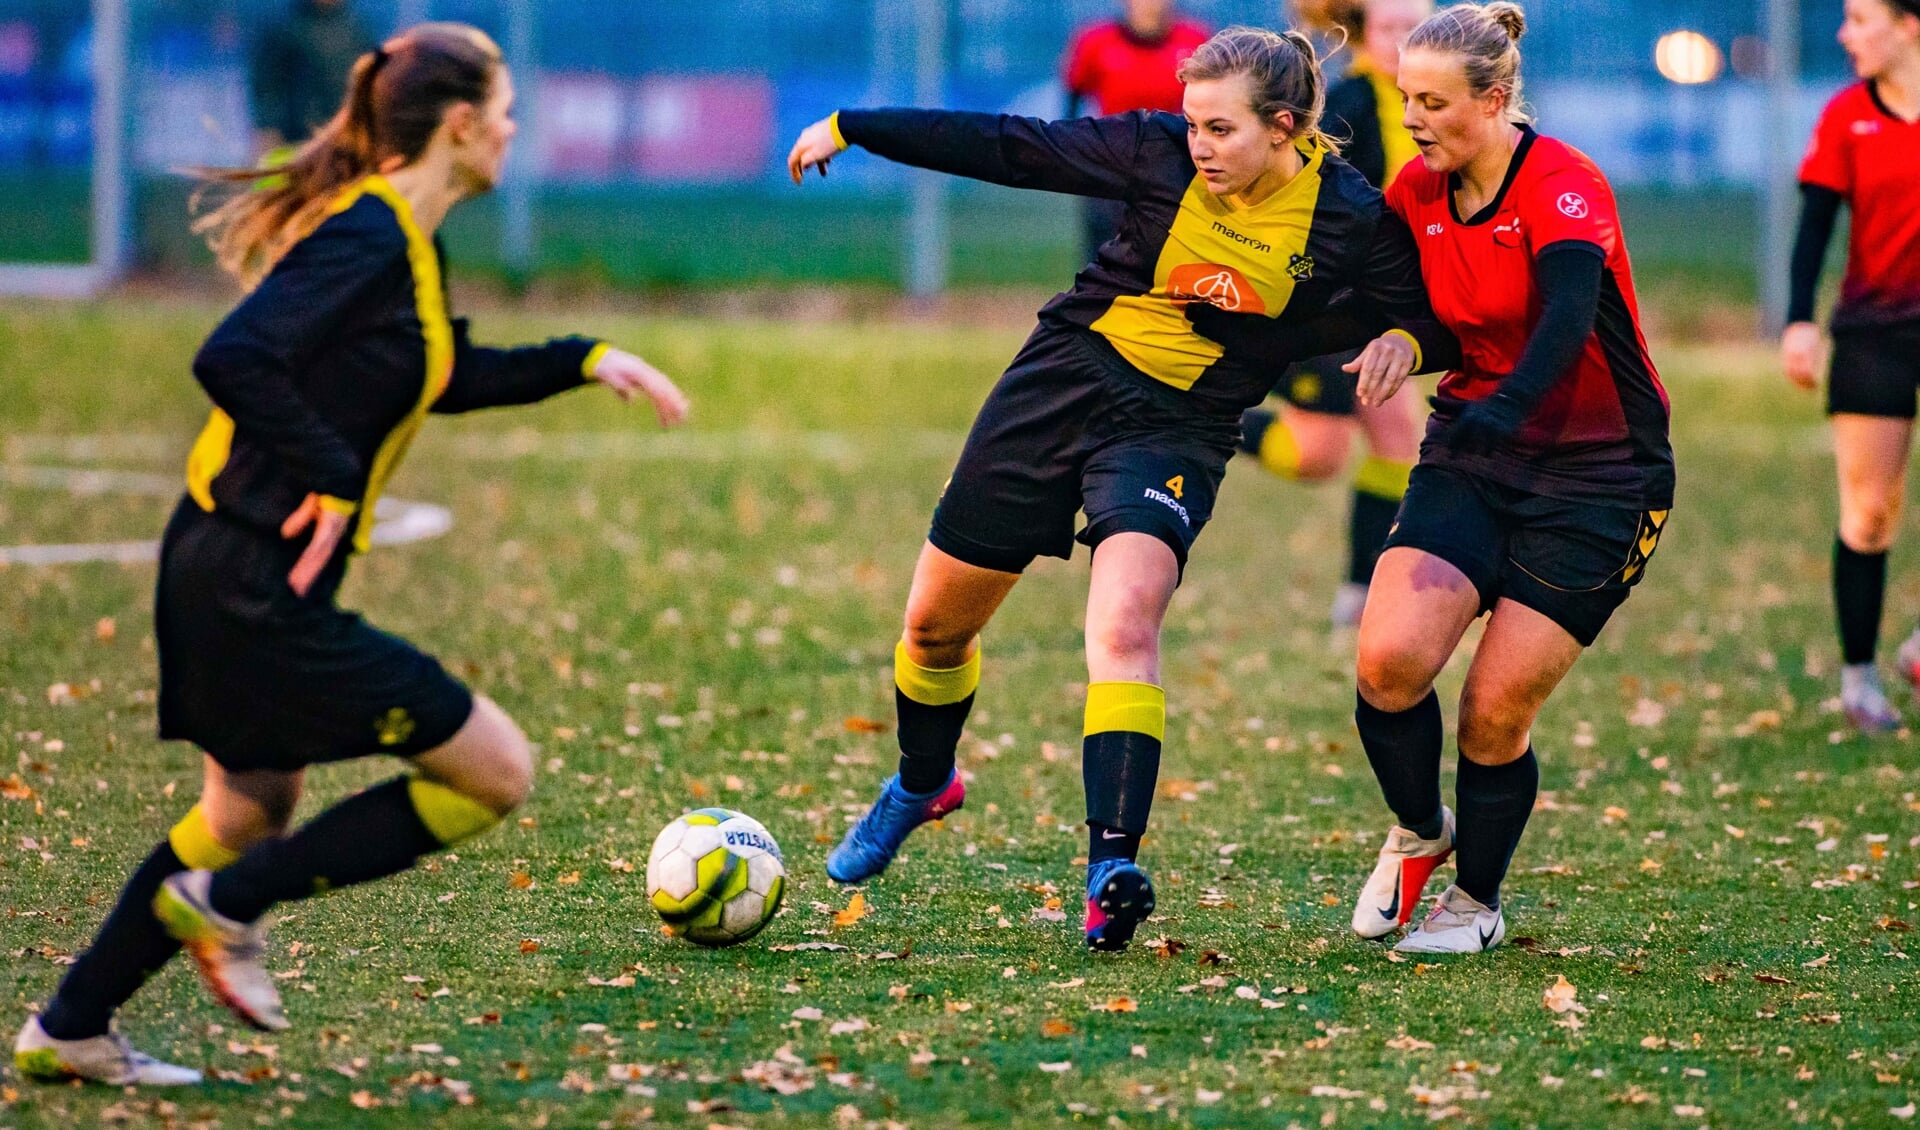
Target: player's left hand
(1384, 365)
(328, 525)
(628, 376)
(1485, 425)
(816, 148)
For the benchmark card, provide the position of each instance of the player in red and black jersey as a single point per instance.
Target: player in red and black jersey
(1242, 230)
(1121, 65)
(1866, 155)
(320, 379)
(1543, 485)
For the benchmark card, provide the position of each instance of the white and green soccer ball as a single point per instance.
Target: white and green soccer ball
(715, 877)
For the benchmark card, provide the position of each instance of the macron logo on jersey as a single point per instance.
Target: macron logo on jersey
(1248, 241)
(1574, 205)
(1865, 127)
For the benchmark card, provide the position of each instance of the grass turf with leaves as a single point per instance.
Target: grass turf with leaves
(1718, 875)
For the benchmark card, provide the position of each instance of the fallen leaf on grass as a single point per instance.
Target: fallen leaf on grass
(1771, 979)
(1408, 1044)
(1053, 1028)
(1562, 997)
(1057, 1068)
(529, 945)
(520, 880)
(808, 947)
(1901, 1112)
(858, 725)
(855, 911)
(1117, 1004)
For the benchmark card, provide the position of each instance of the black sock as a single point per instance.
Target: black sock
(1107, 842)
(1254, 423)
(929, 735)
(1859, 592)
(1119, 769)
(1404, 750)
(367, 836)
(130, 947)
(1491, 806)
(1368, 524)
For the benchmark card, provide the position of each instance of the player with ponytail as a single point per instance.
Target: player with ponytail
(1544, 482)
(1241, 228)
(320, 379)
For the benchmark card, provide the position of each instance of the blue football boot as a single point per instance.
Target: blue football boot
(1119, 898)
(871, 844)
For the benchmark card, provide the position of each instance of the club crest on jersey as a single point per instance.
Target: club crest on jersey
(1573, 204)
(1300, 267)
(1214, 284)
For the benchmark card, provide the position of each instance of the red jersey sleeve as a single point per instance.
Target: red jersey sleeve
(1570, 203)
(1080, 61)
(1825, 164)
(1399, 194)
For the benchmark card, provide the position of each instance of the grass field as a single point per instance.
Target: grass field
(1723, 876)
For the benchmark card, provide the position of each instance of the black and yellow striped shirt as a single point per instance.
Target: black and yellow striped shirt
(322, 376)
(1325, 243)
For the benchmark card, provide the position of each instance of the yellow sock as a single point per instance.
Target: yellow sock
(193, 841)
(1278, 451)
(1382, 477)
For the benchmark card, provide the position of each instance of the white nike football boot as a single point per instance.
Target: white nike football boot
(105, 1059)
(1399, 878)
(1459, 924)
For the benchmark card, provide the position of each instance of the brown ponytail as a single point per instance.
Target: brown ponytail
(396, 98)
(1283, 69)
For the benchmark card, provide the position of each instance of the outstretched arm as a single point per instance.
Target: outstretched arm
(1081, 156)
(490, 377)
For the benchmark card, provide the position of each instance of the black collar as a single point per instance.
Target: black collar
(1131, 36)
(1492, 208)
(1873, 92)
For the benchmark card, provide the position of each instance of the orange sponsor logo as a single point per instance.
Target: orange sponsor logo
(1212, 283)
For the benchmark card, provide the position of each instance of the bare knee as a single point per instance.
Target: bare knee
(936, 641)
(1493, 732)
(1869, 527)
(489, 761)
(1392, 678)
(1124, 640)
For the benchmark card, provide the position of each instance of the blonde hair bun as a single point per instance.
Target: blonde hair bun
(1511, 18)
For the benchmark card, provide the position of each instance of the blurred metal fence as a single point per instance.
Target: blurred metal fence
(664, 125)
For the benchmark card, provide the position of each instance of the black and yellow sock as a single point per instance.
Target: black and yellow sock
(367, 836)
(1491, 807)
(1120, 765)
(1378, 487)
(1264, 435)
(131, 945)
(931, 704)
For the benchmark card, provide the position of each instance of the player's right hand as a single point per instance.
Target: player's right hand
(1800, 348)
(817, 146)
(1382, 367)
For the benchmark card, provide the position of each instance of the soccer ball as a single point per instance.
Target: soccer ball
(716, 877)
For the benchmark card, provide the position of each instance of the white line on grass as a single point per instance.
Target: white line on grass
(396, 520)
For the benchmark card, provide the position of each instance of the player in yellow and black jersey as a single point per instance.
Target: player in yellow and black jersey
(320, 379)
(1242, 230)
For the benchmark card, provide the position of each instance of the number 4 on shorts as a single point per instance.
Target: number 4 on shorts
(1178, 485)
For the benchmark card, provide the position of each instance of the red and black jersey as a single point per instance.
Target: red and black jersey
(1871, 157)
(1600, 433)
(1273, 269)
(1120, 70)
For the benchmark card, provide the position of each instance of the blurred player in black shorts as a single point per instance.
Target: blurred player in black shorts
(1307, 438)
(320, 380)
(1544, 483)
(1241, 228)
(1866, 155)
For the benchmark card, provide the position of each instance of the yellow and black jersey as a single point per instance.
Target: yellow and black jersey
(1324, 244)
(1365, 111)
(321, 377)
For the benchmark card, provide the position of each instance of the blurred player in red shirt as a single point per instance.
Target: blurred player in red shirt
(1127, 64)
(1866, 154)
(1543, 485)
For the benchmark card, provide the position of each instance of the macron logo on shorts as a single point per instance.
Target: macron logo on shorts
(1166, 499)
